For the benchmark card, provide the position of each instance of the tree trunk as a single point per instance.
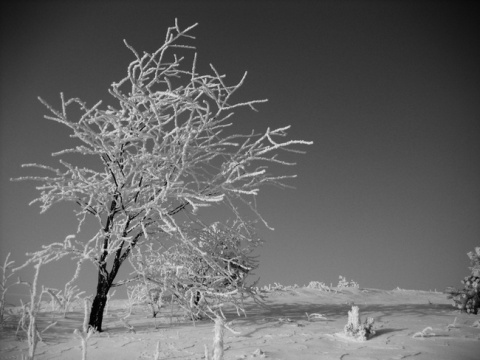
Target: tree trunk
(105, 279)
(99, 303)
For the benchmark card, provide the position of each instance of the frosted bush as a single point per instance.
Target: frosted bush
(207, 270)
(468, 298)
(343, 283)
(276, 287)
(318, 286)
(356, 329)
(64, 299)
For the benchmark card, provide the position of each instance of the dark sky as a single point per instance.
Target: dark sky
(389, 91)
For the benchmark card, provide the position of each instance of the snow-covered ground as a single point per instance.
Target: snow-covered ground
(280, 331)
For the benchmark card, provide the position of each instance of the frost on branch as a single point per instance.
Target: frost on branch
(166, 146)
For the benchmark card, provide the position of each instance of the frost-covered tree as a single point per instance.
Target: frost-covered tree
(199, 267)
(168, 147)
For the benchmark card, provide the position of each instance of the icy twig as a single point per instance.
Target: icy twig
(109, 297)
(156, 354)
(217, 347)
(28, 320)
(310, 317)
(424, 333)
(127, 324)
(452, 325)
(86, 332)
(65, 298)
(6, 274)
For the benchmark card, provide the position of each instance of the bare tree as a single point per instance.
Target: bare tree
(168, 147)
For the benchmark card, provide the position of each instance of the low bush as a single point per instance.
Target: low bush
(468, 298)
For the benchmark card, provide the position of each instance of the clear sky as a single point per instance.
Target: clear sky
(389, 91)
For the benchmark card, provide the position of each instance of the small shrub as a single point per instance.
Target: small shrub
(30, 310)
(319, 286)
(276, 287)
(28, 319)
(137, 295)
(63, 299)
(468, 298)
(208, 267)
(356, 329)
(343, 283)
